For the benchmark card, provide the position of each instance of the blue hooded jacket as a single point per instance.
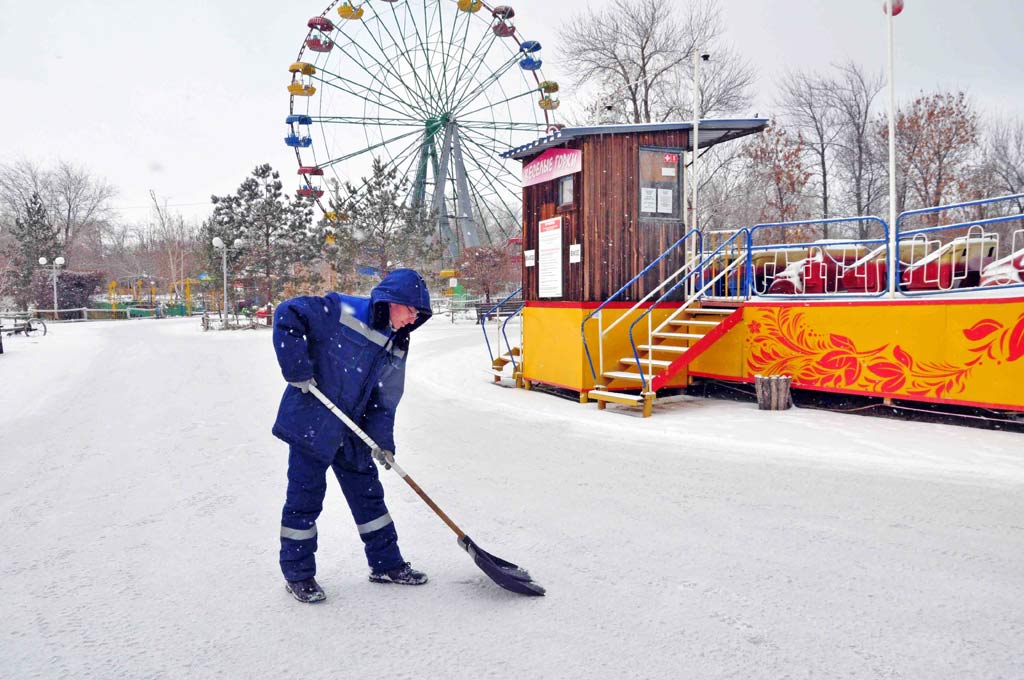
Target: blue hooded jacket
(346, 343)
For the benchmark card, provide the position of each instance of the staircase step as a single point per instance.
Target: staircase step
(616, 397)
(500, 361)
(690, 336)
(678, 336)
(622, 375)
(723, 312)
(665, 348)
(631, 361)
(692, 322)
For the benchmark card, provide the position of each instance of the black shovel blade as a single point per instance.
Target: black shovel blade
(507, 575)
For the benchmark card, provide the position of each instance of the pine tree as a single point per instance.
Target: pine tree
(34, 235)
(278, 243)
(377, 229)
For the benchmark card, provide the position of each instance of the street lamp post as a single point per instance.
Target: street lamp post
(57, 262)
(695, 146)
(219, 244)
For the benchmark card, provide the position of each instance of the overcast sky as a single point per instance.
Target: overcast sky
(186, 97)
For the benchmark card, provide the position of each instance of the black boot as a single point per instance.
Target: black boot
(306, 590)
(404, 574)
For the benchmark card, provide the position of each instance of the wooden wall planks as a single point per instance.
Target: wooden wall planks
(603, 219)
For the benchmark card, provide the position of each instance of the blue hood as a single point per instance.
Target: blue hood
(404, 287)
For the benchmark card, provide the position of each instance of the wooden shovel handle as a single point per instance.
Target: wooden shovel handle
(343, 417)
(433, 506)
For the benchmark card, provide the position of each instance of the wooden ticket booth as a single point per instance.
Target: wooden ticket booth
(599, 204)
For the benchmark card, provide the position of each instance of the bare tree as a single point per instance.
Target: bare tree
(636, 54)
(487, 269)
(806, 104)
(76, 200)
(119, 246)
(1004, 155)
(728, 198)
(724, 84)
(998, 171)
(176, 243)
(777, 166)
(19, 181)
(936, 140)
(632, 44)
(853, 94)
(132, 254)
(79, 204)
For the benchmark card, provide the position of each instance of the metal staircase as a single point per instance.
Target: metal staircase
(513, 354)
(512, 357)
(660, 351)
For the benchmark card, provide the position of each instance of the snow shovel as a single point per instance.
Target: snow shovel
(507, 575)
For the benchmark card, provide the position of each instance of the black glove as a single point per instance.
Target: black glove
(304, 385)
(383, 457)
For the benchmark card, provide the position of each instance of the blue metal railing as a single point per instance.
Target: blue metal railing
(695, 273)
(483, 322)
(751, 277)
(981, 240)
(692, 234)
(508, 345)
(733, 287)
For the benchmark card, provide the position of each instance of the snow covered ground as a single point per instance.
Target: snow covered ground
(141, 490)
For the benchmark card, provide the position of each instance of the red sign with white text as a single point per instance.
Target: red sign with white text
(551, 164)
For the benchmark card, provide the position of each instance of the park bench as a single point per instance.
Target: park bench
(507, 308)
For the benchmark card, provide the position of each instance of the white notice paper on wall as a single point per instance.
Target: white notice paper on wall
(668, 172)
(574, 253)
(528, 258)
(648, 200)
(549, 258)
(664, 200)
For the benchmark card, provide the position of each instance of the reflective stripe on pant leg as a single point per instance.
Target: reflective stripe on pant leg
(365, 496)
(298, 534)
(307, 484)
(375, 524)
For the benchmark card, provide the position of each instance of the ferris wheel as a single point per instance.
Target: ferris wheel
(435, 89)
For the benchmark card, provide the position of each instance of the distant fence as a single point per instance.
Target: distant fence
(101, 314)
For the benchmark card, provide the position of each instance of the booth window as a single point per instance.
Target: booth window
(661, 184)
(565, 196)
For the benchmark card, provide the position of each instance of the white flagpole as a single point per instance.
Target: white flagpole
(893, 237)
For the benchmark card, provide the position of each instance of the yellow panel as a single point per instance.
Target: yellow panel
(553, 347)
(964, 352)
(725, 357)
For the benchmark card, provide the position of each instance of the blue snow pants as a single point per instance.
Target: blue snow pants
(307, 484)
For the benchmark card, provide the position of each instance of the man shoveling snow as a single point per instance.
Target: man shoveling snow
(354, 350)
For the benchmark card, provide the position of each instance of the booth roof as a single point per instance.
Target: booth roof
(711, 132)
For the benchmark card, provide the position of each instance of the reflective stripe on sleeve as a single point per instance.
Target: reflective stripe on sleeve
(370, 334)
(375, 524)
(298, 534)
